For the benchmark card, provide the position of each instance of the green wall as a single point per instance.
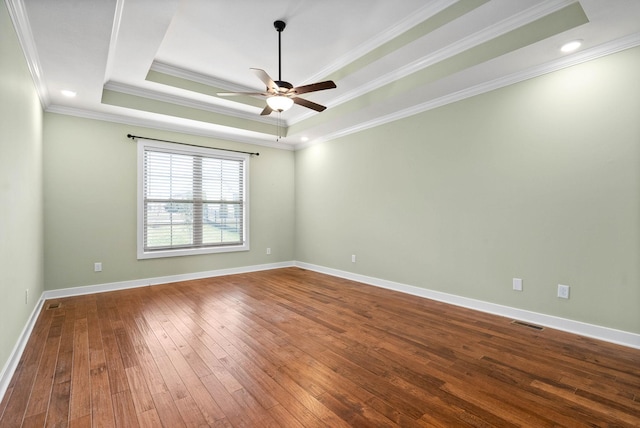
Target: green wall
(539, 180)
(90, 176)
(21, 242)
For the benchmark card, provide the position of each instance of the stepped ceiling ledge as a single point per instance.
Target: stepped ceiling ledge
(161, 64)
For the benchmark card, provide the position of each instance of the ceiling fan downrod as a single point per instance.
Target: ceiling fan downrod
(280, 26)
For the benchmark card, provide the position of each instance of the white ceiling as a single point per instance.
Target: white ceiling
(160, 63)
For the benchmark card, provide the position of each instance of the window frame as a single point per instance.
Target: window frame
(188, 150)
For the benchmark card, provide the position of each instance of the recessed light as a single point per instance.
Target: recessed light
(68, 93)
(571, 46)
(304, 139)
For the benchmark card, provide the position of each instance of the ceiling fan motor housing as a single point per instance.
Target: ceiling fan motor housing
(283, 86)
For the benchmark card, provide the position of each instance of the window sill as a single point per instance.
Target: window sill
(142, 255)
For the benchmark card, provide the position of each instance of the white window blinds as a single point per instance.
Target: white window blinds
(193, 200)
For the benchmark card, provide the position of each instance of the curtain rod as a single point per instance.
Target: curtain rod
(133, 137)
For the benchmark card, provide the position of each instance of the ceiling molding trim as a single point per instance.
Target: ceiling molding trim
(194, 76)
(185, 102)
(596, 52)
(435, 57)
(383, 37)
(162, 124)
(115, 31)
(621, 44)
(20, 20)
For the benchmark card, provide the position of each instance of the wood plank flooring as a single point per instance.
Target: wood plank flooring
(294, 348)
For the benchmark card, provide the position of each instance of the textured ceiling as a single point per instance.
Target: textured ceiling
(161, 63)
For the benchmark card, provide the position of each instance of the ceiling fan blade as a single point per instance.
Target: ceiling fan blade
(264, 77)
(313, 87)
(267, 111)
(231, 94)
(308, 104)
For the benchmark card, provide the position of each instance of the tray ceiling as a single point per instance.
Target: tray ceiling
(161, 63)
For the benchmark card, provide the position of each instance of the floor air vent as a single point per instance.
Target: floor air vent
(526, 324)
(53, 305)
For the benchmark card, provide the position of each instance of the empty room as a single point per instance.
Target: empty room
(320, 214)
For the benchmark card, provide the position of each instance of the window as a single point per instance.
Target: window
(191, 200)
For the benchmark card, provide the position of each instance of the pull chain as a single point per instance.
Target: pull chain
(278, 127)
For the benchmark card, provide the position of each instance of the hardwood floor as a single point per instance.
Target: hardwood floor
(295, 348)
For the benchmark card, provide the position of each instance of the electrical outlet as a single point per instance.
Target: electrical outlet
(353, 258)
(563, 291)
(268, 250)
(97, 267)
(26, 296)
(517, 284)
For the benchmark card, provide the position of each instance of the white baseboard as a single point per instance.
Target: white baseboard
(123, 285)
(624, 338)
(14, 358)
(606, 334)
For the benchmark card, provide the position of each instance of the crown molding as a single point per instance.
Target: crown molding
(194, 76)
(596, 52)
(20, 20)
(472, 40)
(186, 102)
(160, 122)
(115, 31)
(426, 12)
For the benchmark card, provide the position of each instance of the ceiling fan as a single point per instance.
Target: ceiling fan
(282, 95)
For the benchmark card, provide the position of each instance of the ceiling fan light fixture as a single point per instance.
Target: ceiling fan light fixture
(279, 103)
